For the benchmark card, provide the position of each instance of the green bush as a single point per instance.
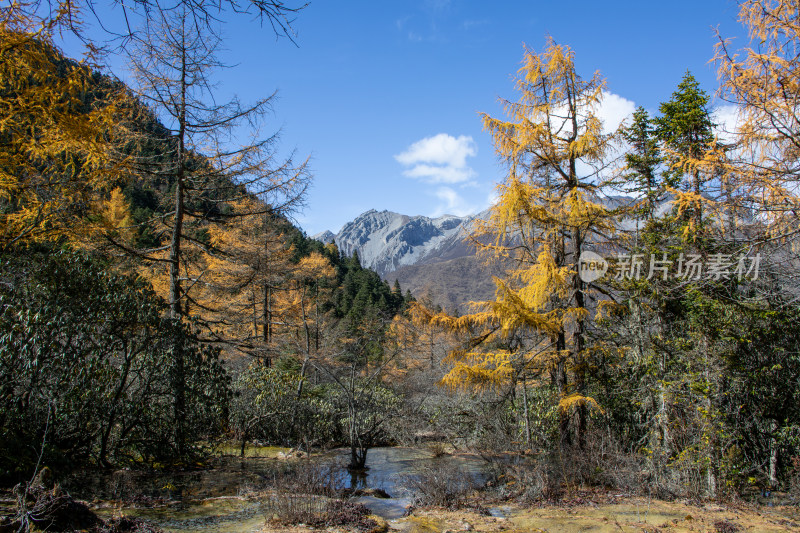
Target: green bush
(87, 373)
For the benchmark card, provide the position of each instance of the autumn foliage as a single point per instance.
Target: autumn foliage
(156, 301)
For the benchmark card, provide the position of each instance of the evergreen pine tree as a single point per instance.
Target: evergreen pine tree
(642, 162)
(686, 132)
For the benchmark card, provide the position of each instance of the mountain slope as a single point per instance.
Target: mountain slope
(452, 283)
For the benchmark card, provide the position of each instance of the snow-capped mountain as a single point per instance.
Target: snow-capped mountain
(386, 241)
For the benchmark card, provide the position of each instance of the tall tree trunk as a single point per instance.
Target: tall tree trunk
(255, 313)
(662, 417)
(709, 430)
(578, 340)
(316, 317)
(306, 327)
(526, 411)
(559, 377)
(175, 295)
(577, 283)
(698, 210)
(244, 442)
(773, 454)
(267, 317)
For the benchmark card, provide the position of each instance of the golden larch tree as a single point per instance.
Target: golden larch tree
(553, 144)
(57, 133)
(763, 81)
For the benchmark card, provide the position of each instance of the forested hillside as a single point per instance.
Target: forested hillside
(159, 306)
(140, 293)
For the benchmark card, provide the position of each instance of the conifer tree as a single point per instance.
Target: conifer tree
(247, 262)
(173, 61)
(642, 164)
(686, 133)
(553, 145)
(209, 174)
(669, 340)
(763, 80)
(57, 128)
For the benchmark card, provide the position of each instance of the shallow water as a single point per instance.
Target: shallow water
(225, 476)
(210, 500)
(389, 467)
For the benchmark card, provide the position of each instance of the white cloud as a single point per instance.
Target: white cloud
(451, 203)
(613, 109)
(728, 119)
(441, 149)
(440, 174)
(439, 159)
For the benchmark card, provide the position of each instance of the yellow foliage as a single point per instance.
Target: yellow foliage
(57, 158)
(315, 267)
(520, 309)
(763, 79)
(483, 371)
(544, 206)
(115, 217)
(571, 402)
(249, 269)
(544, 124)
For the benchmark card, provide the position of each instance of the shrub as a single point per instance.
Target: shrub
(440, 485)
(309, 493)
(89, 373)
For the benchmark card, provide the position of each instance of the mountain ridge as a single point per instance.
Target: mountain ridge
(386, 241)
(430, 256)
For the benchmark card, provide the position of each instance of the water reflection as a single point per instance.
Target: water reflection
(358, 480)
(207, 500)
(389, 468)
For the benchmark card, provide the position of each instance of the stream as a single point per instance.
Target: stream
(215, 499)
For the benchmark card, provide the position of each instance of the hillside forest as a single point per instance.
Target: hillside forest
(157, 303)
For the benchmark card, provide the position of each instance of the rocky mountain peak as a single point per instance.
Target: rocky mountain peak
(325, 237)
(386, 241)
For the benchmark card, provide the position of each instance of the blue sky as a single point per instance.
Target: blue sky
(384, 96)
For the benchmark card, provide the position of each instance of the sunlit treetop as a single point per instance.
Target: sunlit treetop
(763, 81)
